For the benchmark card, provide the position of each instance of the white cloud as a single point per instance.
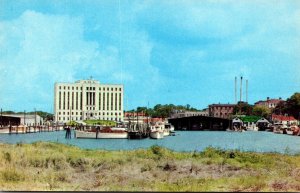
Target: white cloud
(39, 50)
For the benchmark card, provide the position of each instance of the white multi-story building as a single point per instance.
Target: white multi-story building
(88, 99)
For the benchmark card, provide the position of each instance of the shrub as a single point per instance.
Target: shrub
(7, 157)
(11, 175)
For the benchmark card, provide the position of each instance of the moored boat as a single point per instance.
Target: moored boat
(157, 134)
(157, 131)
(295, 129)
(104, 133)
(166, 132)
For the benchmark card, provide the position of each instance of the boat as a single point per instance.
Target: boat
(156, 134)
(137, 135)
(169, 129)
(295, 129)
(172, 133)
(166, 132)
(104, 133)
(157, 131)
(278, 128)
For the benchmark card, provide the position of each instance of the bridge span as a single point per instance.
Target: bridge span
(201, 123)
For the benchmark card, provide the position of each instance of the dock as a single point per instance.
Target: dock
(29, 129)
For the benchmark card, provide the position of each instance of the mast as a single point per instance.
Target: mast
(24, 117)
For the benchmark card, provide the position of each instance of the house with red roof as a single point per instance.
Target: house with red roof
(284, 119)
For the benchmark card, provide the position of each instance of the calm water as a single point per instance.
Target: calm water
(183, 141)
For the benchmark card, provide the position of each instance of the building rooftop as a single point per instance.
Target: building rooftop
(283, 118)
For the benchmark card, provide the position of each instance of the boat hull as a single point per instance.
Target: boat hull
(157, 135)
(136, 135)
(166, 132)
(92, 135)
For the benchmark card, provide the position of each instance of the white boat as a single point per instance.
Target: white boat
(169, 126)
(157, 131)
(104, 133)
(289, 132)
(157, 134)
(166, 132)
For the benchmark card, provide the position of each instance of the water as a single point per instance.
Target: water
(183, 141)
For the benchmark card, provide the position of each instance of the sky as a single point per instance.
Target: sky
(162, 51)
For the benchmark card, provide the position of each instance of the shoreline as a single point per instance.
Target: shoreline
(54, 166)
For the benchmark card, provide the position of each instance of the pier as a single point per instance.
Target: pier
(21, 129)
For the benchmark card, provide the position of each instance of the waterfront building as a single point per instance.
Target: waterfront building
(6, 120)
(221, 110)
(134, 117)
(88, 99)
(140, 118)
(183, 113)
(284, 120)
(29, 120)
(269, 103)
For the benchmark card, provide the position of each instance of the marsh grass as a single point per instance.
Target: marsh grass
(54, 166)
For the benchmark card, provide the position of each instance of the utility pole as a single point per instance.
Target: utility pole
(1, 118)
(24, 118)
(34, 120)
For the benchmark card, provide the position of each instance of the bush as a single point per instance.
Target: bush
(7, 157)
(11, 175)
(212, 152)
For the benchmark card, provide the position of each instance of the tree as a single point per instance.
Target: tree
(243, 109)
(293, 105)
(280, 108)
(141, 109)
(261, 111)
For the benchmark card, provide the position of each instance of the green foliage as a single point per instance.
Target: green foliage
(250, 119)
(290, 107)
(261, 111)
(12, 175)
(72, 123)
(7, 157)
(163, 111)
(100, 122)
(54, 166)
(243, 108)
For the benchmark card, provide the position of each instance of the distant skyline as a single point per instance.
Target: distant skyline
(164, 52)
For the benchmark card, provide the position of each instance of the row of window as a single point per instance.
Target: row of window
(79, 118)
(80, 113)
(90, 100)
(88, 88)
(217, 114)
(219, 108)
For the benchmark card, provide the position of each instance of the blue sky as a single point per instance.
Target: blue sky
(179, 52)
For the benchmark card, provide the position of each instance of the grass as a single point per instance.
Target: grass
(53, 166)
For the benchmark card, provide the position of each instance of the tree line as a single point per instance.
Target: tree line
(45, 115)
(290, 107)
(163, 111)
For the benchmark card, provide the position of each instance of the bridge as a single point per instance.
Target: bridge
(201, 123)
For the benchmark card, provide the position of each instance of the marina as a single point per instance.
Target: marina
(183, 141)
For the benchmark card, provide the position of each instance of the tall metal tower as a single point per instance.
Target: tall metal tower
(241, 88)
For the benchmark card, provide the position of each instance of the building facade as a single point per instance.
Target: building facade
(88, 99)
(284, 120)
(29, 120)
(221, 110)
(182, 113)
(269, 103)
